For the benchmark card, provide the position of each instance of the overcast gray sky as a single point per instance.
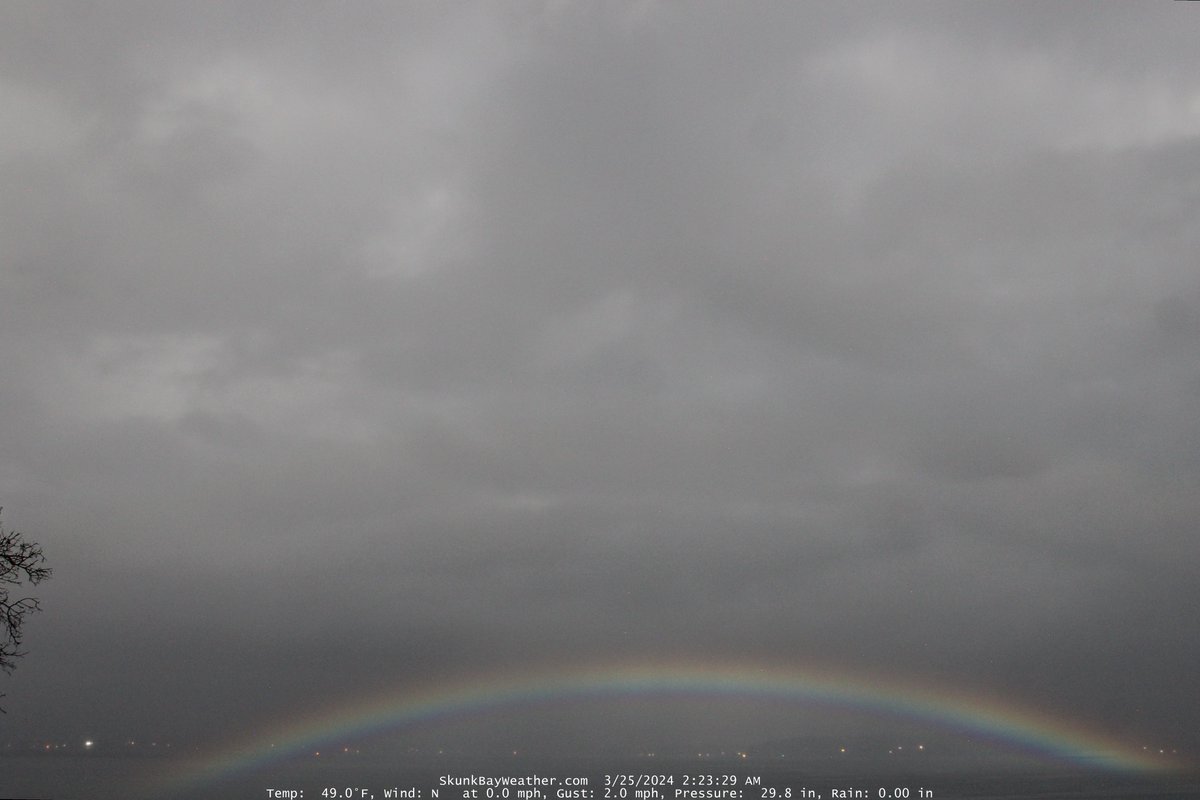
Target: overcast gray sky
(345, 344)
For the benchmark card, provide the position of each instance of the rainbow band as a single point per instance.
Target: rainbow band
(1015, 726)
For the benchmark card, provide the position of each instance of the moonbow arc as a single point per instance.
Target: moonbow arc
(1018, 727)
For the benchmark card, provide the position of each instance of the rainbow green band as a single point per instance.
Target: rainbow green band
(1018, 727)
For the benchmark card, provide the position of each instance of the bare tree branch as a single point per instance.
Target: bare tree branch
(21, 562)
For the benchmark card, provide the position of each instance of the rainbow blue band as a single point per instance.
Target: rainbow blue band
(1018, 727)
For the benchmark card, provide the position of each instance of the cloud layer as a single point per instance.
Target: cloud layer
(347, 344)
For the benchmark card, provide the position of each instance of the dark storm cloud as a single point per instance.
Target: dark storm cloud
(374, 342)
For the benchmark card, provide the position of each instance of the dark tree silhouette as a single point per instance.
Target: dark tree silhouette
(20, 562)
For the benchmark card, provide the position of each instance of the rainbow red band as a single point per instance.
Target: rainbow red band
(1017, 727)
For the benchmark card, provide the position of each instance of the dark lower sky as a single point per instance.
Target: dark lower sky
(352, 345)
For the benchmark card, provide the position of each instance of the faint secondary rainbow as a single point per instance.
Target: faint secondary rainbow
(1018, 727)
